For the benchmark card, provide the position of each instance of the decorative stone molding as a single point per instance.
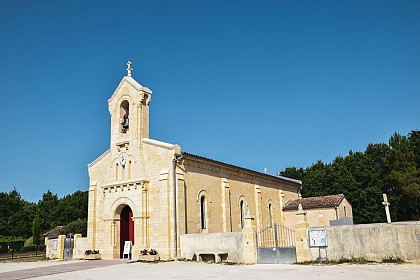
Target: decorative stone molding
(129, 185)
(232, 170)
(99, 158)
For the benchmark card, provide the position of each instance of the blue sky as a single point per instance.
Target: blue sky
(252, 83)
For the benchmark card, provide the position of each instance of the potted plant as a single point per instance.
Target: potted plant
(149, 255)
(92, 255)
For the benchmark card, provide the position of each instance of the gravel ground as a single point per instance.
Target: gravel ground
(191, 270)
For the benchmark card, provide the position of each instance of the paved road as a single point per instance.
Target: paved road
(17, 271)
(190, 270)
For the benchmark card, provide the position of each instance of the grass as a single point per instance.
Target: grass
(354, 260)
(392, 260)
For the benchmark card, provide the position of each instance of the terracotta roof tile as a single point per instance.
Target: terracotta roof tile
(314, 202)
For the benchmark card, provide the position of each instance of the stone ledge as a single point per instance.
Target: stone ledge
(93, 257)
(149, 258)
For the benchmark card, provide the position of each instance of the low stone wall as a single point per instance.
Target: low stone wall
(373, 242)
(51, 248)
(79, 248)
(212, 243)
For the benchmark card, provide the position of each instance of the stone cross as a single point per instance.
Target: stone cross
(265, 170)
(386, 204)
(129, 69)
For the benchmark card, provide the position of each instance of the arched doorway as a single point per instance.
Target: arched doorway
(126, 227)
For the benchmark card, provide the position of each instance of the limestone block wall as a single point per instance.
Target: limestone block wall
(228, 242)
(224, 190)
(80, 246)
(373, 242)
(51, 248)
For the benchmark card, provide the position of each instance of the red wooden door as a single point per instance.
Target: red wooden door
(126, 228)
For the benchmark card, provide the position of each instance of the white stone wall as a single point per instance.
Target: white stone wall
(373, 242)
(227, 242)
(80, 246)
(51, 248)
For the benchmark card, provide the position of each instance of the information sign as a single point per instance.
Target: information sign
(317, 238)
(127, 248)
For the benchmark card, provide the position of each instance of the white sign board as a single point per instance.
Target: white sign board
(317, 238)
(55, 243)
(127, 248)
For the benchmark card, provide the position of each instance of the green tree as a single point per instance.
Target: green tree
(16, 215)
(77, 226)
(46, 208)
(36, 231)
(71, 208)
(363, 177)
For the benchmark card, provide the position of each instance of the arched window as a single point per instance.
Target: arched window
(242, 210)
(203, 212)
(270, 214)
(124, 116)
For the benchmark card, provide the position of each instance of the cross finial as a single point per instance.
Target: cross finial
(386, 204)
(129, 69)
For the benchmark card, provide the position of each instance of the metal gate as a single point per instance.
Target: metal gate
(68, 248)
(276, 244)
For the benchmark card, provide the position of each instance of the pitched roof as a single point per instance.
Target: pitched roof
(185, 154)
(314, 202)
(54, 233)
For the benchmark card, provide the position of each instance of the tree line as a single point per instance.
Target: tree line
(18, 215)
(363, 177)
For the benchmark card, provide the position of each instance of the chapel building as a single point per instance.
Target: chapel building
(150, 192)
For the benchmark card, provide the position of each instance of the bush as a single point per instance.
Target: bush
(32, 248)
(29, 248)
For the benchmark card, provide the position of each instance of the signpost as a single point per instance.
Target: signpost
(127, 249)
(318, 238)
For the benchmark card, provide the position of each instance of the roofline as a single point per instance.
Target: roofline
(317, 206)
(186, 154)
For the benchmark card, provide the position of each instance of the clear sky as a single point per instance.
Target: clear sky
(252, 83)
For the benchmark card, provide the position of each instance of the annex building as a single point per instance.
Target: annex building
(150, 192)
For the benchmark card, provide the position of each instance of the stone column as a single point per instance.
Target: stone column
(60, 247)
(301, 235)
(258, 213)
(78, 253)
(249, 245)
(226, 219)
(91, 225)
(181, 214)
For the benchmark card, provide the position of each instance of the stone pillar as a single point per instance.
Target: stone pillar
(258, 212)
(181, 214)
(226, 219)
(248, 241)
(301, 235)
(77, 254)
(91, 225)
(60, 247)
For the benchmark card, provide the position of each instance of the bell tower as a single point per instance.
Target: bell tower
(129, 109)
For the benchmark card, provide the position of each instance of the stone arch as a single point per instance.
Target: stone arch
(124, 116)
(118, 205)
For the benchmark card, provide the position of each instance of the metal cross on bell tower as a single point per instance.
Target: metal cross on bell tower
(129, 69)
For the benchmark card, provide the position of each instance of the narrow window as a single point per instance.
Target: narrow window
(203, 211)
(116, 172)
(242, 209)
(270, 214)
(345, 211)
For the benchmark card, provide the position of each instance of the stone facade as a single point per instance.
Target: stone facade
(144, 174)
(321, 215)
